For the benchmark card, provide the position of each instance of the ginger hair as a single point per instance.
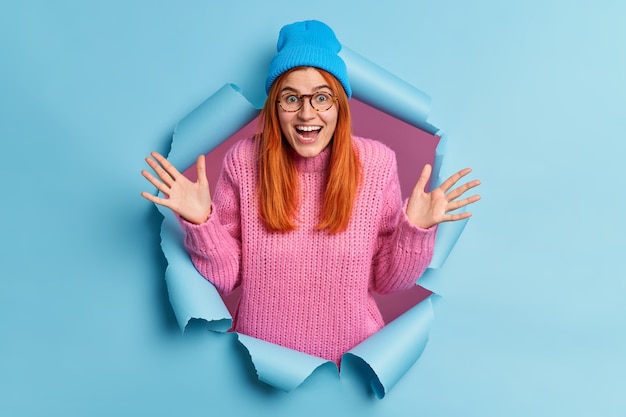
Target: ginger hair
(278, 177)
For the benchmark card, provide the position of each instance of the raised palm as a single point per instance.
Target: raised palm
(191, 200)
(426, 209)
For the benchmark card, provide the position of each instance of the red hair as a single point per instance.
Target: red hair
(278, 177)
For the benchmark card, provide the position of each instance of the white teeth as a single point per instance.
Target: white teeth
(308, 128)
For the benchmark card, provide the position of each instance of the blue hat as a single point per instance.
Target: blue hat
(308, 44)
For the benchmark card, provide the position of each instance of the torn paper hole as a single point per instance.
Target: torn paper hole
(228, 116)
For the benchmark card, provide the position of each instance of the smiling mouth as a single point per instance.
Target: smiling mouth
(308, 132)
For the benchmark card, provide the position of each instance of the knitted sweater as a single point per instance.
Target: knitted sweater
(307, 289)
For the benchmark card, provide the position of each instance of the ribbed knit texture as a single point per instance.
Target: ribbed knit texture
(307, 289)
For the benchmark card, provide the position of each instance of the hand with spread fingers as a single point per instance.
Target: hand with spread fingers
(428, 209)
(191, 200)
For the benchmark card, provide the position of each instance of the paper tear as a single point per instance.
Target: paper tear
(209, 124)
(191, 296)
(377, 87)
(448, 233)
(281, 367)
(393, 350)
(387, 355)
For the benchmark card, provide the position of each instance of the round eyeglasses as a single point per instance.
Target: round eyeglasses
(293, 102)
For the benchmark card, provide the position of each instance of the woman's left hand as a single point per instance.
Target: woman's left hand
(428, 209)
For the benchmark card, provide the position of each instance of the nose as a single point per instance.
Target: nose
(307, 111)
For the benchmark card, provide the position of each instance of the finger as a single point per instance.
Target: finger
(201, 170)
(156, 200)
(453, 179)
(163, 175)
(457, 216)
(423, 178)
(165, 189)
(167, 166)
(457, 192)
(462, 203)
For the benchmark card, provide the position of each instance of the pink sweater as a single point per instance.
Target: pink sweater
(307, 289)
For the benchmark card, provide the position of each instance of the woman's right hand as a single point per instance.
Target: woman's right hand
(191, 200)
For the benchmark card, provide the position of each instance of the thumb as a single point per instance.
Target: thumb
(423, 178)
(201, 170)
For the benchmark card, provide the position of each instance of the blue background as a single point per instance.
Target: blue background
(530, 93)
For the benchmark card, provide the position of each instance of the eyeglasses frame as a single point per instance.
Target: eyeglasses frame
(310, 96)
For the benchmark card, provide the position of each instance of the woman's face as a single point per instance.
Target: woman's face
(307, 130)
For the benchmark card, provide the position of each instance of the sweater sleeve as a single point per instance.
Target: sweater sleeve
(215, 245)
(404, 250)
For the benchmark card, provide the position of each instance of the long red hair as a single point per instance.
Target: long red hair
(278, 177)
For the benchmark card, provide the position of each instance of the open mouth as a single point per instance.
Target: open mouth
(308, 133)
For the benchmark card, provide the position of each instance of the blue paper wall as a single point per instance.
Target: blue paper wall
(531, 95)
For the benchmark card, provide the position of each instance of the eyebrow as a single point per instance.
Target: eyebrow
(295, 90)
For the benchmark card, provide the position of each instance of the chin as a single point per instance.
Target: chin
(308, 151)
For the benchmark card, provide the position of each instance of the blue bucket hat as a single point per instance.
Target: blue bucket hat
(308, 44)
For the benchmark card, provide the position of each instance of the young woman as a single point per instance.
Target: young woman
(306, 218)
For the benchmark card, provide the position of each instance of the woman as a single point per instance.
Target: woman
(306, 218)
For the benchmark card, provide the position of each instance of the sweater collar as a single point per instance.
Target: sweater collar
(317, 163)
